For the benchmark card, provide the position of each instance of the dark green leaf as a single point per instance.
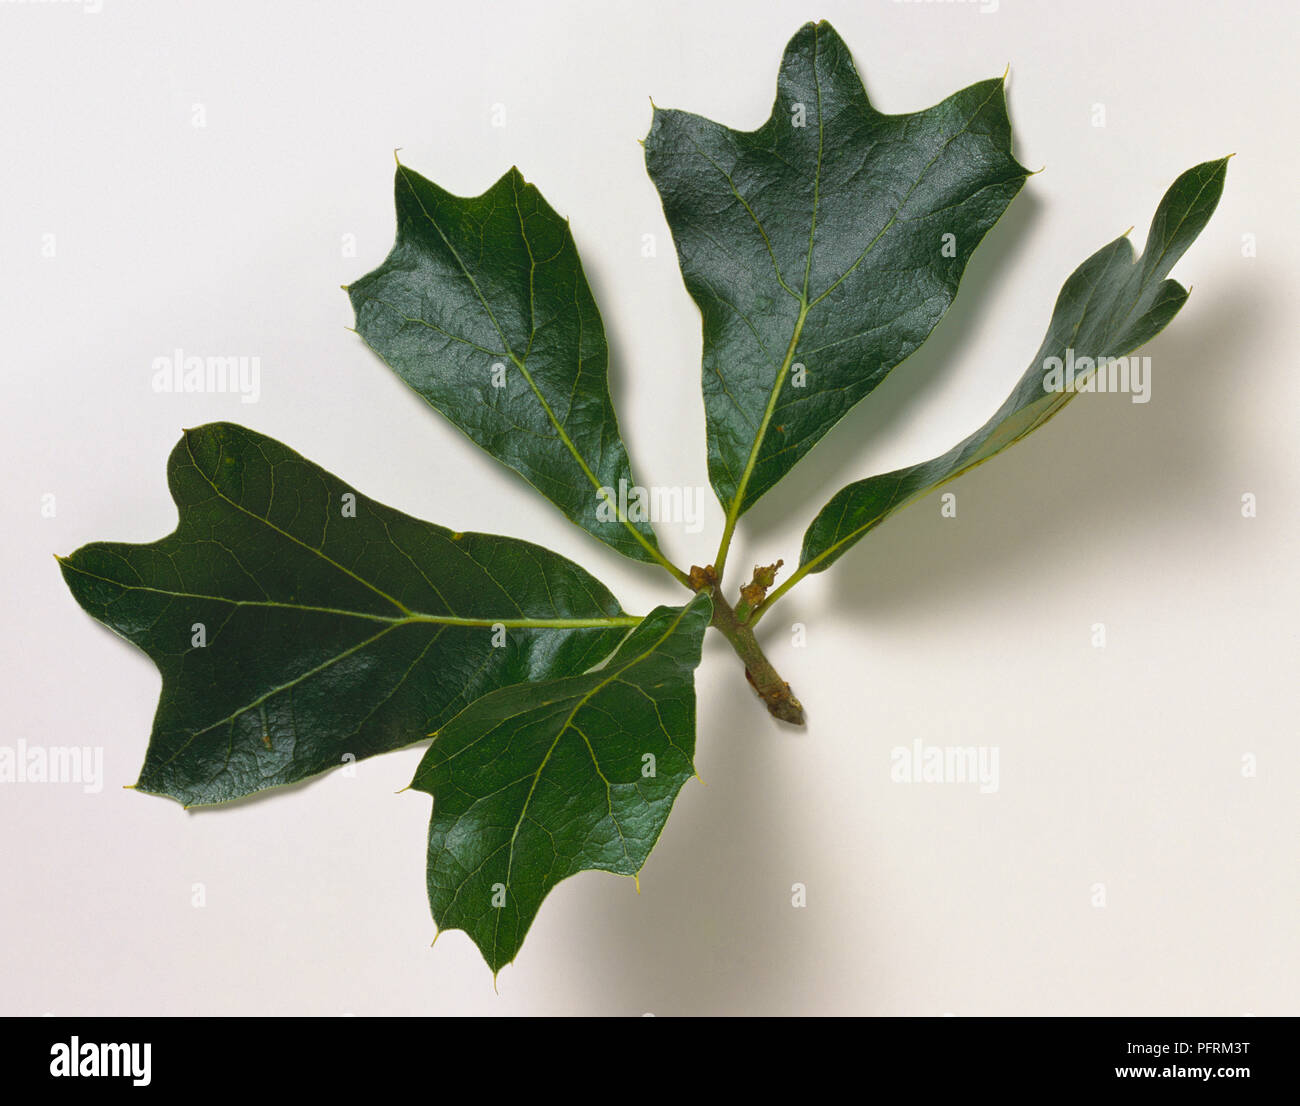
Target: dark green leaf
(483, 308)
(331, 624)
(537, 782)
(1108, 307)
(816, 252)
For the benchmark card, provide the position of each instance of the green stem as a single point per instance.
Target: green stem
(668, 566)
(766, 681)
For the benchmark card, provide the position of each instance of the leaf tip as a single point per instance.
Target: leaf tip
(397, 150)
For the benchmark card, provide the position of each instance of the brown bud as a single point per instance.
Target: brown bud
(753, 593)
(702, 578)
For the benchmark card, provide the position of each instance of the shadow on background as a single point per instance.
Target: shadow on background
(837, 459)
(1102, 468)
(713, 930)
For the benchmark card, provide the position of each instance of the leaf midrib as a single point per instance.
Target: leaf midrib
(805, 305)
(607, 678)
(390, 620)
(564, 727)
(1052, 409)
(407, 616)
(518, 361)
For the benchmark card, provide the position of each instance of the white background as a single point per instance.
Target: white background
(1119, 766)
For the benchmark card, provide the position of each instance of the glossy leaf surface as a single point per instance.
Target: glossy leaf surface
(822, 248)
(1109, 306)
(483, 308)
(535, 783)
(296, 622)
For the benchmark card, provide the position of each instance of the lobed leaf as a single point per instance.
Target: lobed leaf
(327, 625)
(1110, 305)
(817, 247)
(483, 308)
(537, 782)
